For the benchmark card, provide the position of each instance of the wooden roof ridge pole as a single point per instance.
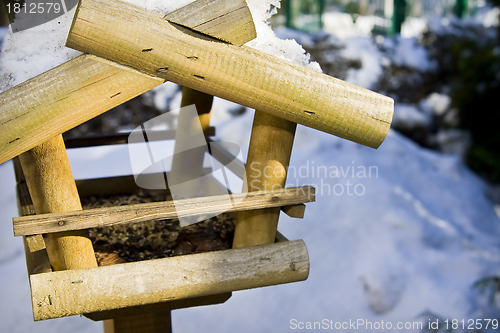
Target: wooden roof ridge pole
(87, 86)
(266, 169)
(52, 189)
(136, 37)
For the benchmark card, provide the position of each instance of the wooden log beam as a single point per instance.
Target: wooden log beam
(101, 217)
(64, 97)
(72, 292)
(135, 37)
(266, 169)
(87, 86)
(52, 189)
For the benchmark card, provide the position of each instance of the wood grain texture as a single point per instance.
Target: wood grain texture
(62, 98)
(121, 32)
(266, 170)
(53, 189)
(37, 259)
(100, 217)
(72, 292)
(228, 20)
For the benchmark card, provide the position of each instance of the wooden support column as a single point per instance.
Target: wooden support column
(52, 189)
(267, 164)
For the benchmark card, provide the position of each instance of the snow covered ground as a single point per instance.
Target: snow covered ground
(397, 235)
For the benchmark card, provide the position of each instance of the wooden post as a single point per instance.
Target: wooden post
(461, 8)
(143, 323)
(72, 292)
(267, 164)
(52, 189)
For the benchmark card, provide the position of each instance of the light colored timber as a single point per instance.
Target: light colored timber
(229, 20)
(62, 98)
(52, 189)
(203, 103)
(72, 292)
(158, 322)
(269, 153)
(100, 217)
(85, 87)
(295, 211)
(119, 31)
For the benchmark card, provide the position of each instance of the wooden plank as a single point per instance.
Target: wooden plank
(266, 169)
(159, 307)
(52, 189)
(62, 98)
(119, 31)
(100, 217)
(228, 20)
(72, 292)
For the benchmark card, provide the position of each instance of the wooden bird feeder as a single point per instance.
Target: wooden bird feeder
(128, 51)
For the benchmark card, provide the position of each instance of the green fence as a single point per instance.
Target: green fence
(307, 15)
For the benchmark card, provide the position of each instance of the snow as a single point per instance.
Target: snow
(398, 234)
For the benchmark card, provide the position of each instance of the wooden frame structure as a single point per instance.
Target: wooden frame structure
(130, 50)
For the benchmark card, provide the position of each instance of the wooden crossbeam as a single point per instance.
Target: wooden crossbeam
(141, 39)
(101, 217)
(72, 292)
